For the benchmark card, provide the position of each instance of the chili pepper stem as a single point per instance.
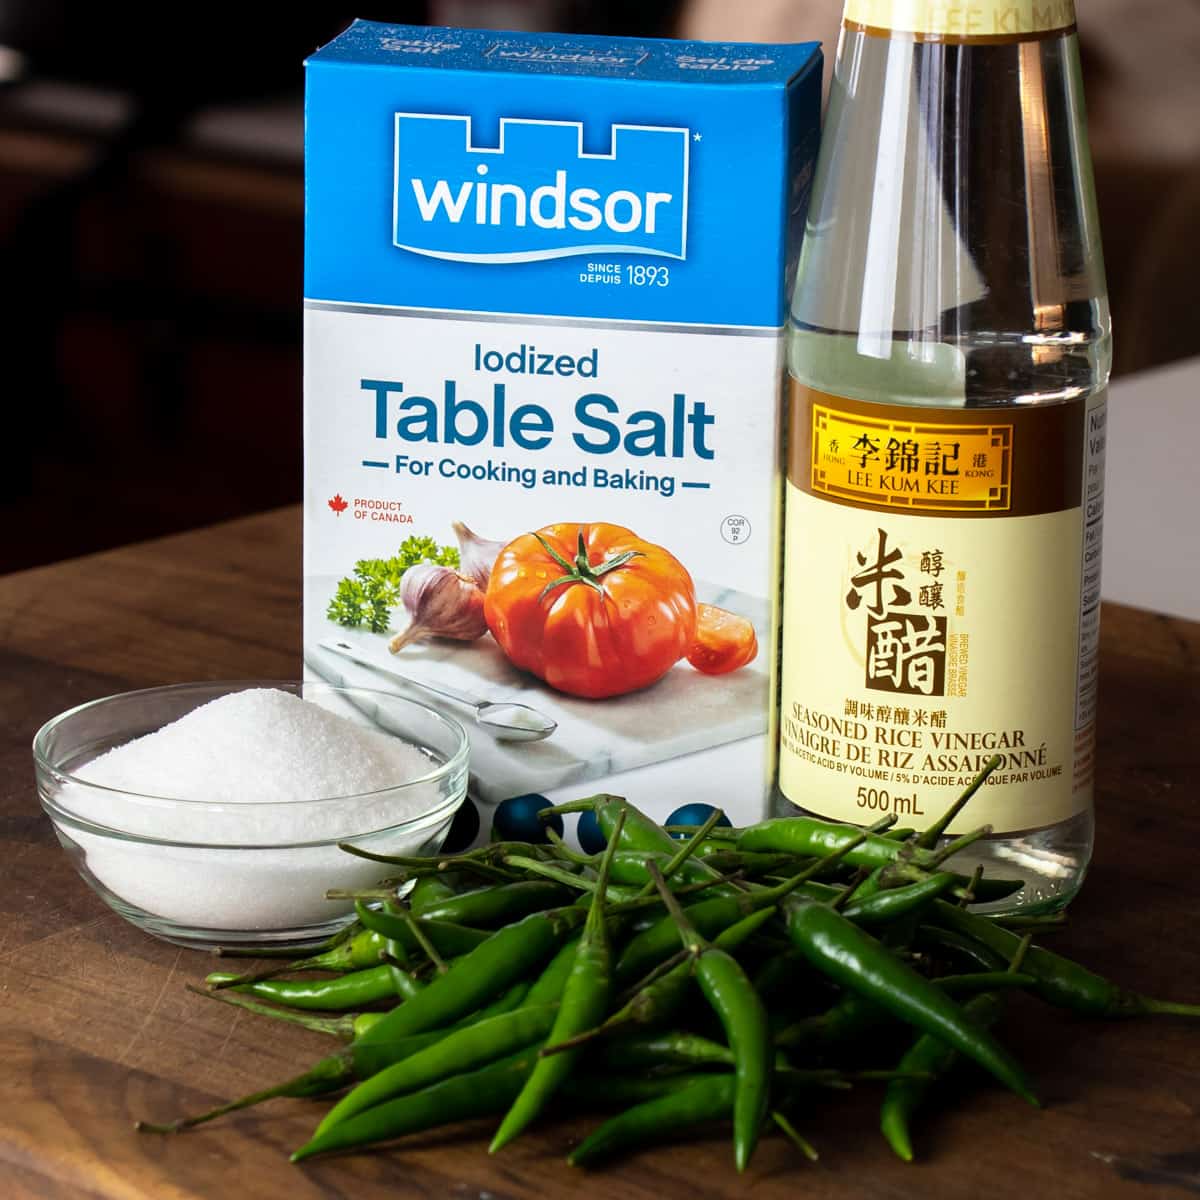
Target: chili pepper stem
(290, 952)
(657, 973)
(395, 860)
(620, 1019)
(859, 877)
(968, 893)
(1149, 1006)
(1015, 921)
(582, 1039)
(717, 835)
(882, 825)
(777, 893)
(700, 885)
(980, 981)
(325, 961)
(692, 941)
(328, 1074)
(802, 1144)
(956, 845)
(577, 806)
(565, 851)
(255, 976)
(550, 871)
(424, 942)
(485, 870)
(929, 838)
(692, 845)
(1019, 953)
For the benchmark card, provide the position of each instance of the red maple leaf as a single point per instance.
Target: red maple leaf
(338, 505)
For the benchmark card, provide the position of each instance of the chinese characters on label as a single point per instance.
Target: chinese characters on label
(910, 465)
(905, 647)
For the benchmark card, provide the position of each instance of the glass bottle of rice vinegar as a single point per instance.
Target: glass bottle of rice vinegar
(949, 353)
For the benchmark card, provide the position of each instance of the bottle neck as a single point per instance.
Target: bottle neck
(978, 22)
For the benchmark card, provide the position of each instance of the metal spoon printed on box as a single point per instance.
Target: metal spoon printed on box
(506, 720)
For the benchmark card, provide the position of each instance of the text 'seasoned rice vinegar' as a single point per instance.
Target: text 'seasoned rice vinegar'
(949, 355)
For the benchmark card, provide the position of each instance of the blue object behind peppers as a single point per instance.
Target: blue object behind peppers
(463, 828)
(694, 814)
(516, 819)
(591, 840)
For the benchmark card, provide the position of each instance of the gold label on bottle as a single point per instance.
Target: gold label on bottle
(982, 21)
(941, 605)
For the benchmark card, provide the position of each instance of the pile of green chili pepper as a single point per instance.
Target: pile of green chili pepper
(682, 977)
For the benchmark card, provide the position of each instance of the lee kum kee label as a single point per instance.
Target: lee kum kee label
(941, 607)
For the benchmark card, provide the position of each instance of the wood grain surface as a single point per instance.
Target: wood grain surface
(97, 1029)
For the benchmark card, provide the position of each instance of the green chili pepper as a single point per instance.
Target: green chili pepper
(584, 1002)
(885, 906)
(465, 1049)
(568, 876)
(359, 1060)
(963, 950)
(983, 981)
(812, 838)
(404, 984)
(363, 949)
(645, 837)
(508, 955)
(647, 1051)
(480, 1093)
(852, 1019)
(929, 1056)
(290, 952)
(860, 963)
(611, 1089)
(659, 1119)
(629, 866)
(779, 973)
(449, 939)
(933, 1058)
(346, 1027)
(720, 833)
(732, 997)
(327, 1075)
(355, 990)
(431, 890)
(660, 996)
(495, 906)
(548, 987)
(1059, 980)
(709, 917)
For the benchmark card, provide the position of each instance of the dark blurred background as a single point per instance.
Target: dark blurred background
(151, 206)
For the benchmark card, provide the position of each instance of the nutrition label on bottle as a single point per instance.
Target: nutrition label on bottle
(1094, 441)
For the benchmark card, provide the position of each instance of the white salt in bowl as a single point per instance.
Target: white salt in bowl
(234, 870)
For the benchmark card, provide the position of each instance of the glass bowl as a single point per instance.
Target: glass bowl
(248, 873)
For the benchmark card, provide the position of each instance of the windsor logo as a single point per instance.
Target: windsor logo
(538, 194)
